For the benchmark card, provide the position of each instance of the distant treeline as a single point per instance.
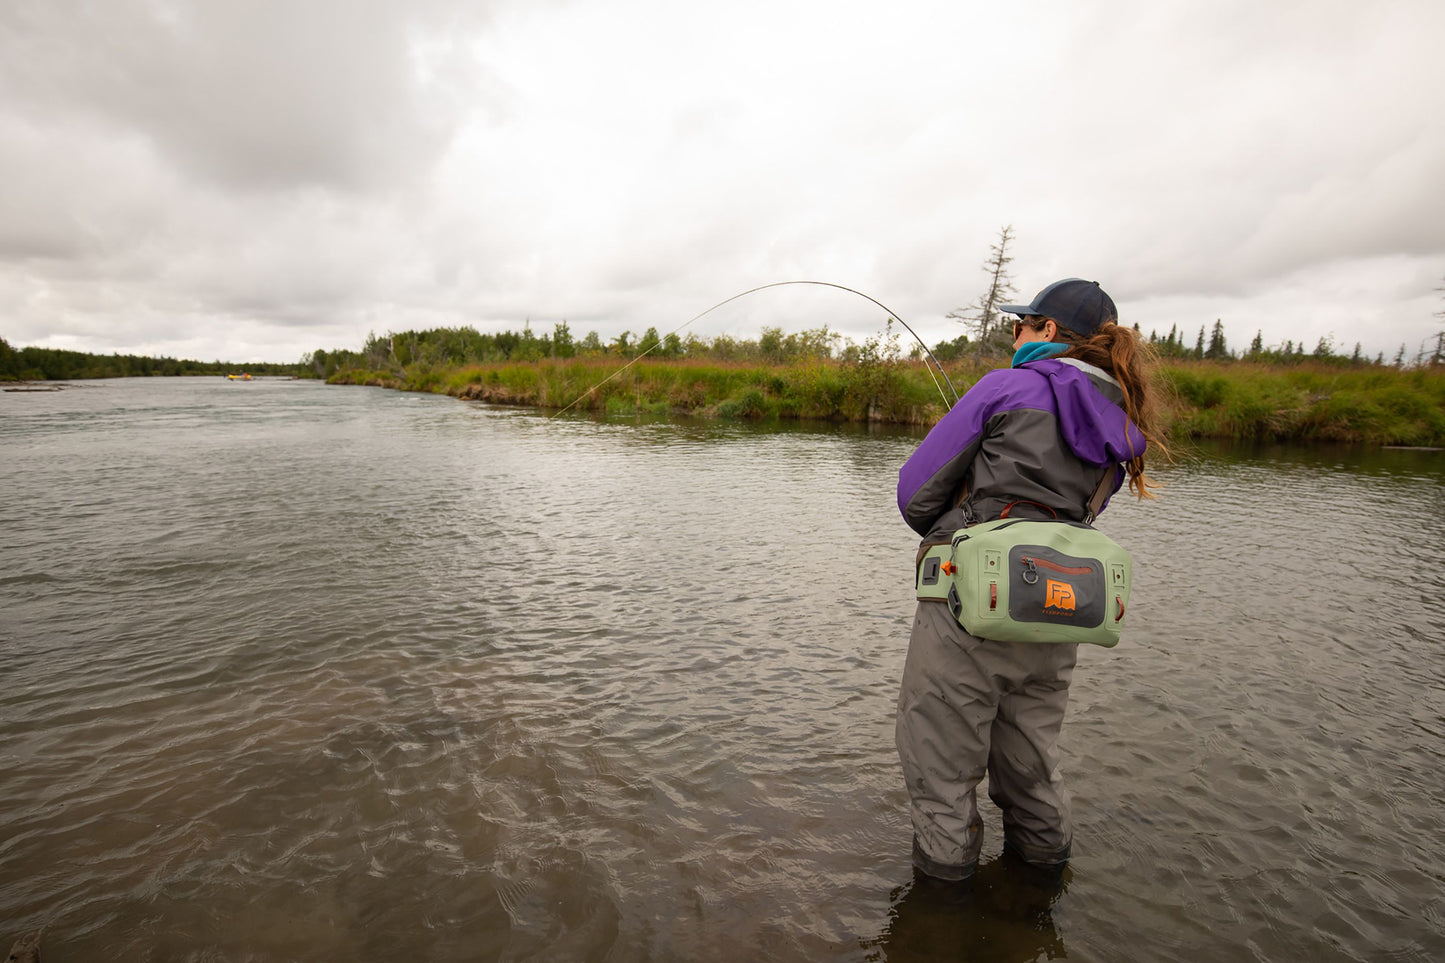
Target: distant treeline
(54, 364)
(456, 346)
(466, 345)
(1215, 347)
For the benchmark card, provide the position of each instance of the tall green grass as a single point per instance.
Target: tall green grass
(826, 390)
(1200, 399)
(1368, 404)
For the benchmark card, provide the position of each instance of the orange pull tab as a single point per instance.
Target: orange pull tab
(949, 568)
(1120, 616)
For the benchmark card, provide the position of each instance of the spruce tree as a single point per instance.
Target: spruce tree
(1217, 350)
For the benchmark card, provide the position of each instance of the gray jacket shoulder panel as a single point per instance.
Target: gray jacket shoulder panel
(1043, 433)
(1020, 459)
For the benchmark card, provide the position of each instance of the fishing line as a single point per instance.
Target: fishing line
(777, 284)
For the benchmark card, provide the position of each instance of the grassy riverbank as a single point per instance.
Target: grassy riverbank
(820, 389)
(1371, 404)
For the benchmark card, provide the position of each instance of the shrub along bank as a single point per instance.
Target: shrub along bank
(1372, 404)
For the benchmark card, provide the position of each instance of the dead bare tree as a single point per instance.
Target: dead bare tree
(982, 318)
(1436, 357)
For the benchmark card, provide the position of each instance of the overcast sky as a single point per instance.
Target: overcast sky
(252, 180)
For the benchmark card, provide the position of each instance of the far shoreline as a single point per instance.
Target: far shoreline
(1368, 405)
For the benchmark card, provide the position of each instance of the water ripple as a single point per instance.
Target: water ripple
(296, 672)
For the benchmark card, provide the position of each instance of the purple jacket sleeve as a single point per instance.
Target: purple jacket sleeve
(932, 475)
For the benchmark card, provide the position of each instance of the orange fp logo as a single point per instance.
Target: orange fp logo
(1060, 596)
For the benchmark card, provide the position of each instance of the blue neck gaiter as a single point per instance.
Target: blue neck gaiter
(1035, 350)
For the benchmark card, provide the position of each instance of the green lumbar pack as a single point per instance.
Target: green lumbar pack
(1017, 580)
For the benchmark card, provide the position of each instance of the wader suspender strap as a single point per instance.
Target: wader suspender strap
(962, 502)
(1101, 494)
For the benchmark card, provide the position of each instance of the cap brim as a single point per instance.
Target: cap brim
(1019, 309)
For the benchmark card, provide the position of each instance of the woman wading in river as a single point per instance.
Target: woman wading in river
(1071, 417)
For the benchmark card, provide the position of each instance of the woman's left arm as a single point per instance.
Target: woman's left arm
(933, 474)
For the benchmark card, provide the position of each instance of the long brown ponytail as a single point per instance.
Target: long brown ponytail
(1121, 352)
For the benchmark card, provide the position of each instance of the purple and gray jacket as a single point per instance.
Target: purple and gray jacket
(1044, 432)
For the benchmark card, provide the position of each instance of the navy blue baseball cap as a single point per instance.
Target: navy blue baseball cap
(1074, 303)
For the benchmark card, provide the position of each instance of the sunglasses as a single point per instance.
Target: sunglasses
(1020, 324)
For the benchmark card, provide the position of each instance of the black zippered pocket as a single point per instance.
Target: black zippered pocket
(1050, 587)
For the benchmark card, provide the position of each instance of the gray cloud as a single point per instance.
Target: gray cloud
(257, 95)
(279, 177)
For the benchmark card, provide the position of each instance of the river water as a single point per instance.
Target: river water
(296, 672)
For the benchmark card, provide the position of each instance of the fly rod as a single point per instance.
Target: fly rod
(936, 366)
